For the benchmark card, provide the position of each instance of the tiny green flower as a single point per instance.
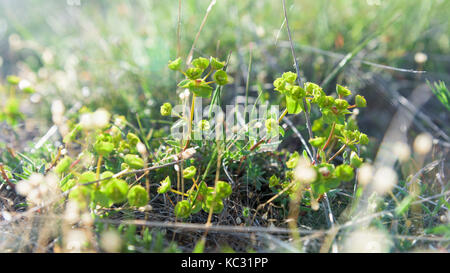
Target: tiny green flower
(137, 196)
(134, 139)
(271, 124)
(280, 85)
(165, 185)
(274, 181)
(343, 91)
(223, 189)
(28, 90)
(341, 104)
(293, 160)
(201, 63)
(216, 64)
(182, 209)
(344, 172)
(117, 190)
(360, 101)
(134, 161)
(86, 177)
(103, 147)
(63, 165)
(175, 65)
(363, 139)
(221, 77)
(289, 77)
(203, 125)
(166, 109)
(194, 73)
(14, 80)
(355, 160)
(317, 141)
(189, 172)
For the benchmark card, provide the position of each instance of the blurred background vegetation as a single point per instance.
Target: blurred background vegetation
(114, 54)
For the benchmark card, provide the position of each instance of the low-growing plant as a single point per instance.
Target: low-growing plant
(15, 90)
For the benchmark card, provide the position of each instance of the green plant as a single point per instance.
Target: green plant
(334, 132)
(11, 109)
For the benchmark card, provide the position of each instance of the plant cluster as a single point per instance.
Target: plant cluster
(15, 90)
(116, 155)
(334, 131)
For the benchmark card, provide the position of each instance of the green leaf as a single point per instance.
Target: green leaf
(294, 106)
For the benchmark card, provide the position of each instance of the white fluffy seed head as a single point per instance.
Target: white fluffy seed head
(110, 241)
(365, 174)
(142, 150)
(402, 151)
(367, 241)
(420, 57)
(303, 172)
(384, 180)
(72, 212)
(75, 240)
(423, 143)
(101, 118)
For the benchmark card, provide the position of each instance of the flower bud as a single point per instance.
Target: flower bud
(63, 165)
(289, 77)
(201, 63)
(165, 185)
(134, 161)
(343, 91)
(223, 189)
(344, 172)
(216, 64)
(175, 65)
(363, 139)
(117, 190)
(166, 109)
(137, 196)
(189, 172)
(360, 101)
(182, 209)
(221, 77)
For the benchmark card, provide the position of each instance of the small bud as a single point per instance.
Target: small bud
(344, 172)
(165, 185)
(117, 190)
(221, 77)
(134, 161)
(203, 125)
(201, 63)
(355, 160)
(182, 209)
(189, 172)
(63, 165)
(363, 139)
(360, 101)
(341, 104)
(175, 65)
(223, 189)
(166, 109)
(14, 80)
(137, 196)
(343, 91)
(289, 77)
(216, 64)
(293, 160)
